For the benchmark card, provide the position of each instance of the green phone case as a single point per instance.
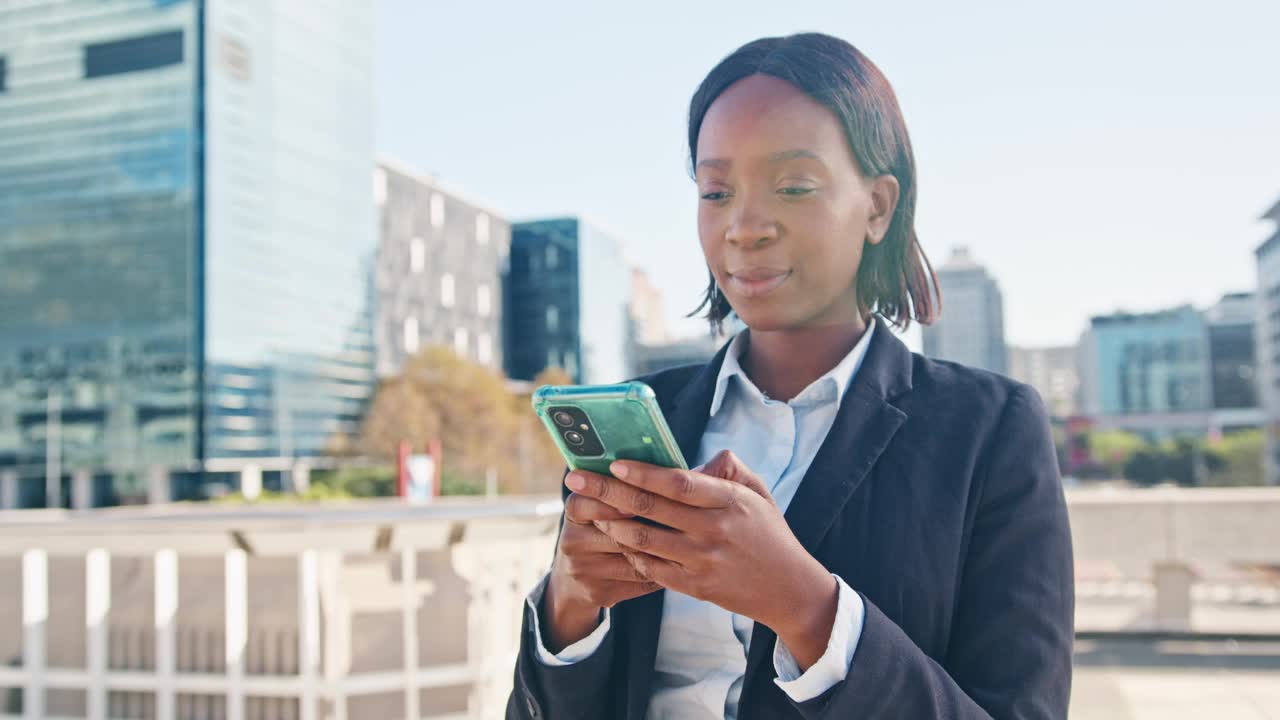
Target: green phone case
(625, 417)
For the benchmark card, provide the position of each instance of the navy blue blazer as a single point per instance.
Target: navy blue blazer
(936, 496)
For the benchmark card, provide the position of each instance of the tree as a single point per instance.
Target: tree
(1241, 453)
(481, 425)
(1112, 449)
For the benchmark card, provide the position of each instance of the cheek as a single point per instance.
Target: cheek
(709, 234)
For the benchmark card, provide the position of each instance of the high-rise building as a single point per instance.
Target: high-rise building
(1233, 359)
(1267, 341)
(971, 328)
(648, 311)
(186, 240)
(1152, 373)
(1052, 372)
(440, 263)
(567, 302)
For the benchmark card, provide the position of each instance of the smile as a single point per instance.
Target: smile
(755, 283)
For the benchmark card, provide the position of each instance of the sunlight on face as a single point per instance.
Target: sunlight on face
(783, 208)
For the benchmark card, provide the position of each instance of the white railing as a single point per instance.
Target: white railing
(355, 563)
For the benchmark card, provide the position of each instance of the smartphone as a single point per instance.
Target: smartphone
(593, 425)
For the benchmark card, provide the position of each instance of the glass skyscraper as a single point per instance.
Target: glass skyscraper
(187, 233)
(567, 302)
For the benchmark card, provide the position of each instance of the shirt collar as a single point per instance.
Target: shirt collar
(841, 375)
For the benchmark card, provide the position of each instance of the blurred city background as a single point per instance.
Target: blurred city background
(277, 279)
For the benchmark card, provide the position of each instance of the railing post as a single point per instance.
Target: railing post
(409, 627)
(337, 640)
(35, 615)
(166, 609)
(97, 603)
(237, 630)
(308, 632)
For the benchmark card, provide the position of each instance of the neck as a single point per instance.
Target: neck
(782, 363)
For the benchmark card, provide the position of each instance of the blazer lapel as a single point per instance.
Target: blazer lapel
(686, 413)
(864, 425)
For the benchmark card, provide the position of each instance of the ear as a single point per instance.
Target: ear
(884, 201)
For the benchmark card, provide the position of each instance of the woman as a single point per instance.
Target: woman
(871, 534)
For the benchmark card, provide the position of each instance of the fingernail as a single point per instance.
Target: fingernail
(619, 470)
(575, 482)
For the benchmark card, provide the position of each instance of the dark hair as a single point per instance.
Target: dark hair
(894, 278)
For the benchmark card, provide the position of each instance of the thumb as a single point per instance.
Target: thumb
(730, 467)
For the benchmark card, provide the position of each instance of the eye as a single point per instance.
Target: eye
(796, 190)
(715, 196)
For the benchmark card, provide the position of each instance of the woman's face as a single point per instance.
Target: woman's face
(783, 209)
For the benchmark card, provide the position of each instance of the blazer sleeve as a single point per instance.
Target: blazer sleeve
(1009, 654)
(577, 691)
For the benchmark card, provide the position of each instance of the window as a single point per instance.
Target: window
(482, 227)
(4, 67)
(484, 349)
(132, 55)
(437, 210)
(380, 186)
(553, 257)
(553, 318)
(571, 363)
(483, 301)
(552, 360)
(460, 341)
(446, 290)
(417, 255)
(411, 335)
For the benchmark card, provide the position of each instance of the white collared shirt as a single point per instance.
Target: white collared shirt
(702, 648)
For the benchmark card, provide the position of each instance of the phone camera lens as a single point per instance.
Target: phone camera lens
(562, 418)
(574, 438)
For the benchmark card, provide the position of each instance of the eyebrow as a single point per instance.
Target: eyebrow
(782, 156)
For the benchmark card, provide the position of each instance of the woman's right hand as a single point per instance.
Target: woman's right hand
(589, 573)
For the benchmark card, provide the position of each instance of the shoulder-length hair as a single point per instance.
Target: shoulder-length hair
(894, 279)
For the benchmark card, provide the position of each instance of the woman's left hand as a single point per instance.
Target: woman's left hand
(726, 542)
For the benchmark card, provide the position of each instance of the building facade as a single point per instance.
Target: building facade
(567, 298)
(971, 328)
(1152, 373)
(1233, 359)
(186, 240)
(1267, 341)
(441, 259)
(1052, 372)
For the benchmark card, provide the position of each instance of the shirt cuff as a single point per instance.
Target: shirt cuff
(833, 666)
(580, 650)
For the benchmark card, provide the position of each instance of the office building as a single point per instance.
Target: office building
(440, 263)
(187, 238)
(1267, 341)
(1052, 372)
(567, 302)
(1151, 373)
(971, 328)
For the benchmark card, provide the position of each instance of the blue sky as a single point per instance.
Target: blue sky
(1097, 155)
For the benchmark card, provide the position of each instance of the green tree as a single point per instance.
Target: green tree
(1112, 449)
(1241, 453)
(481, 424)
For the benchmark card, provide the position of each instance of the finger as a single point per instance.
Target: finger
(619, 590)
(583, 510)
(683, 486)
(628, 501)
(633, 534)
(583, 539)
(728, 466)
(611, 566)
(664, 572)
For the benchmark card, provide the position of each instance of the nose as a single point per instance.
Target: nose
(750, 229)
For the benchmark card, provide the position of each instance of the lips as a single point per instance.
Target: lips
(757, 281)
